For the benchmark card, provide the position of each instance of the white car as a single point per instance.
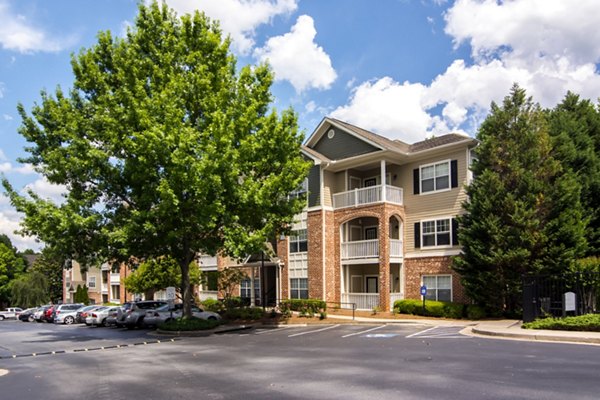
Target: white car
(66, 317)
(98, 316)
(163, 314)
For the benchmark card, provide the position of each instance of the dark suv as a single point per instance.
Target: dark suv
(134, 317)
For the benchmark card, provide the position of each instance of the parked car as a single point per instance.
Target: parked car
(98, 316)
(47, 315)
(112, 317)
(163, 314)
(89, 312)
(28, 315)
(64, 308)
(81, 314)
(40, 313)
(136, 314)
(122, 314)
(10, 313)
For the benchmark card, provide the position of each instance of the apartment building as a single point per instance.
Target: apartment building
(380, 220)
(104, 285)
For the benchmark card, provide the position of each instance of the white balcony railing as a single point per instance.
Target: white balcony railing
(394, 297)
(363, 301)
(104, 288)
(360, 249)
(115, 278)
(395, 248)
(367, 195)
(207, 261)
(208, 294)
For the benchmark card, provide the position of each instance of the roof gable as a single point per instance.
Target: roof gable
(337, 144)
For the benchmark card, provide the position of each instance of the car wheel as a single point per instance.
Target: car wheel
(104, 323)
(69, 320)
(1, 317)
(211, 318)
(140, 322)
(30, 318)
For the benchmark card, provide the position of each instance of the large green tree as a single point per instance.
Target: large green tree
(523, 214)
(30, 290)
(51, 267)
(574, 126)
(165, 148)
(11, 266)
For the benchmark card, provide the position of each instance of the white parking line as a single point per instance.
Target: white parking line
(421, 332)
(361, 332)
(274, 330)
(315, 331)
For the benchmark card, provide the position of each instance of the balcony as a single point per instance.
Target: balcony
(207, 261)
(368, 195)
(369, 249)
(115, 278)
(104, 288)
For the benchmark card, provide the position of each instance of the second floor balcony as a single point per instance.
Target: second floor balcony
(368, 195)
(362, 249)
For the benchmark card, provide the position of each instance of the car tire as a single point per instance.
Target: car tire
(104, 323)
(211, 318)
(30, 318)
(1, 317)
(69, 320)
(140, 322)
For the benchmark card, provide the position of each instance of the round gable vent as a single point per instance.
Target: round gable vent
(331, 134)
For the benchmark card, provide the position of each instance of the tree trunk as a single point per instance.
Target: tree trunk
(186, 288)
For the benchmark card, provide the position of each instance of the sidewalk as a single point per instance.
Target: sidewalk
(499, 329)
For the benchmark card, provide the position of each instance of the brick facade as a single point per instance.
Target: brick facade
(282, 253)
(415, 268)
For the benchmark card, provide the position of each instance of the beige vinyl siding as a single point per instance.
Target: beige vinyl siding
(395, 169)
(329, 180)
(339, 182)
(432, 205)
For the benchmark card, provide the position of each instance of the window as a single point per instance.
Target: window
(92, 282)
(115, 292)
(436, 233)
(210, 279)
(301, 191)
(299, 288)
(439, 287)
(246, 288)
(298, 241)
(435, 177)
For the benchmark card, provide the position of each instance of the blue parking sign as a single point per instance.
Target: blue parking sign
(423, 290)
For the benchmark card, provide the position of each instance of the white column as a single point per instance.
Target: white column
(383, 180)
(252, 297)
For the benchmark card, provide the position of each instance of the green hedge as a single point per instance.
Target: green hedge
(213, 305)
(189, 324)
(589, 322)
(438, 309)
(306, 307)
(245, 313)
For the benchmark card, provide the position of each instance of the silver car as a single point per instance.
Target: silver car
(66, 316)
(163, 314)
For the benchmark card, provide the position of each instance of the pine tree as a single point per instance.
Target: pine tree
(575, 130)
(523, 214)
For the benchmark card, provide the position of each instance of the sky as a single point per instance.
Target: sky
(406, 69)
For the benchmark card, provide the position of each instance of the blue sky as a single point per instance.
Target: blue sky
(407, 69)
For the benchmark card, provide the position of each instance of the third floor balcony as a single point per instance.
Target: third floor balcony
(368, 195)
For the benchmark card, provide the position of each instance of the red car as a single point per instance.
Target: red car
(47, 315)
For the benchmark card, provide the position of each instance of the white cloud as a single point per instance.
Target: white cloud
(17, 33)
(239, 18)
(7, 117)
(310, 106)
(312, 70)
(545, 46)
(47, 190)
(7, 167)
(9, 223)
(2, 156)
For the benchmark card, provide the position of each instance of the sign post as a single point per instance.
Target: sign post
(423, 294)
(171, 298)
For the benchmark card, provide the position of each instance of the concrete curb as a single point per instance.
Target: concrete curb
(542, 337)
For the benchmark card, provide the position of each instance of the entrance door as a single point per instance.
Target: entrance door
(372, 284)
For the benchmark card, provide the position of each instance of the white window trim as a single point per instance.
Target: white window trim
(435, 190)
(444, 246)
(90, 280)
(365, 284)
(290, 287)
(355, 178)
(298, 242)
(438, 275)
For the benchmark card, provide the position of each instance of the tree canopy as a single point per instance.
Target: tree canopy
(524, 213)
(165, 148)
(11, 267)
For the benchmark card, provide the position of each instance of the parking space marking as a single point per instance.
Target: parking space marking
(274, 330)
(441, 332)
(365, 331)
(314, 331)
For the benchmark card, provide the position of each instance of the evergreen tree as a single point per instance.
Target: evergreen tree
(575, 130)
(523, 214)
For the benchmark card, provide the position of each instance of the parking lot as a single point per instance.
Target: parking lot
(329, 361)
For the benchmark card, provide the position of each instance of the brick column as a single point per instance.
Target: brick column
(384, 261)
(282, 253)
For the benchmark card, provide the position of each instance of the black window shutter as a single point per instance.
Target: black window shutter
(417, 235)
(454, 173)
(416, 181)
(454, 231)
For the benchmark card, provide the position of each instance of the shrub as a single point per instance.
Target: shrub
(306, 307)
(189, 324)
(475, 312)
(245, 313)
(432, 308)
(213, 305)
(589, 322)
